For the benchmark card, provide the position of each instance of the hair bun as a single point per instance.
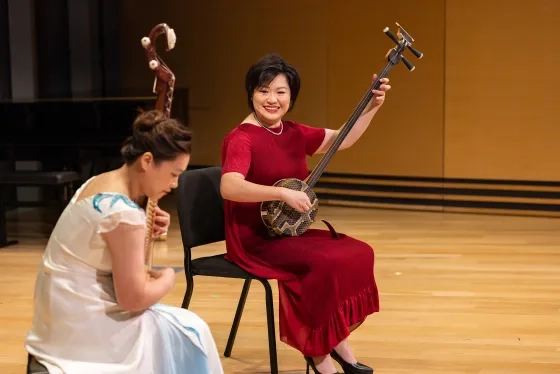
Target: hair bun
(146, 121)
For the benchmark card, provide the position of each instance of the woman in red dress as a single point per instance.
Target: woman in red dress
(326, 284)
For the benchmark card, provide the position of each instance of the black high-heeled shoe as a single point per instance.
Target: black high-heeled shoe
(311, 364)
(348, 368)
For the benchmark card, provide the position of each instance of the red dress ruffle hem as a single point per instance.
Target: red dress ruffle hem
(325, 279)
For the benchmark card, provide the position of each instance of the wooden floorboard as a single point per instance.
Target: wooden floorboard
(460, 293)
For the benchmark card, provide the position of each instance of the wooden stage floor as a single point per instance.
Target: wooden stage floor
(460, 294)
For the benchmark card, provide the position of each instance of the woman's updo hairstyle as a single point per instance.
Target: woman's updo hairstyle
(165, 138)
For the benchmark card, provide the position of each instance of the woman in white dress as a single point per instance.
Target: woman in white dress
(96, 309)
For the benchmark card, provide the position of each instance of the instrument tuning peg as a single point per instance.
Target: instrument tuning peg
(407, 63)
(391, 35)
(415, 52)
(145, 42)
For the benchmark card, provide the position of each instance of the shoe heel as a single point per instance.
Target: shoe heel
(310, 364)
(357, 368)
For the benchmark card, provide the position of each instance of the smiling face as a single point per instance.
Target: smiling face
(272, 102)
(161, 178)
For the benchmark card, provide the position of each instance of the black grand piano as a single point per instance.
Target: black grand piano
(71, 140)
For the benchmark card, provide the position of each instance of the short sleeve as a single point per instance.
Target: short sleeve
(313, 136)
(113, 220)
(236, 153)
(115, 209)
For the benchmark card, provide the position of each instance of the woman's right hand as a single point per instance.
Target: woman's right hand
(296, 199)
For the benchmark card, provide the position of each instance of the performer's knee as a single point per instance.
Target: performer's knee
(197, 322)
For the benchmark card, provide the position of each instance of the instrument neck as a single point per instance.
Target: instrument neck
(345, 130)
(165, 99)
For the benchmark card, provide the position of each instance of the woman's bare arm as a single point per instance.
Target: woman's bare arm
(134, 288)
(234, 187)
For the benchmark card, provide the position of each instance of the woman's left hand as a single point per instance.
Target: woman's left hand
(161, 222)
(379, 95)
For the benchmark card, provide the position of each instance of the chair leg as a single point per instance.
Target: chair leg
(4, 242)
(34, 367)
(237, 318)
(189, 292)
(271, 327)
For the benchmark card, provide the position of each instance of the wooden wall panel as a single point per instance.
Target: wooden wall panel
(480, 105)
(405, 137)
(502, 96)
(335, 48)
(216, 44)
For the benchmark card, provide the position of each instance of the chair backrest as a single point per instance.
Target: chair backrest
(200, 207)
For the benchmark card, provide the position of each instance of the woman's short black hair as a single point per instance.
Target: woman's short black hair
(262, 72)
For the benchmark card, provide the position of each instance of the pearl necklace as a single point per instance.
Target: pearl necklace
(267, 129)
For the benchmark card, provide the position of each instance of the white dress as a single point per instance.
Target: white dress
(78, 326)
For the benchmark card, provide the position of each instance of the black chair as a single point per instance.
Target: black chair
(201, 219)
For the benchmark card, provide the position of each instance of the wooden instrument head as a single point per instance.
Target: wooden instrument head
(403, 41)
(164, 78)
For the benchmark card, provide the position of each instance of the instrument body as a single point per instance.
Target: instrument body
(164, 84)
(283, 220)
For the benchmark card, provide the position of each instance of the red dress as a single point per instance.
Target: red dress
(325, 284)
